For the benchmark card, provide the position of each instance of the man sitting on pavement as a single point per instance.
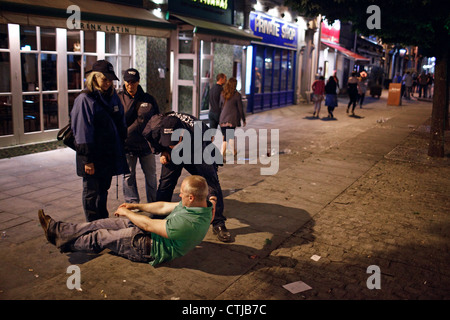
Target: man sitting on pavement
(138, 237)
(158, 133)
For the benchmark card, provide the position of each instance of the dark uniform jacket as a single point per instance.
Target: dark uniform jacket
(99, 129)
(138, 111)
(152, 131)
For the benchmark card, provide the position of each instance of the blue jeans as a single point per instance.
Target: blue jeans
(119, 235)
(148, 165)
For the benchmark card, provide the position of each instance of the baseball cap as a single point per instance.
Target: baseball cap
(104, 67)
(131, 75)
(168, 125)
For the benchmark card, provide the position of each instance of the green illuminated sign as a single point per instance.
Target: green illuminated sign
(222, 4)
(220, 11)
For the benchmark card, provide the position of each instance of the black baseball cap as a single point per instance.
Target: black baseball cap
(168, 125)
(104, 67)
(131, 75)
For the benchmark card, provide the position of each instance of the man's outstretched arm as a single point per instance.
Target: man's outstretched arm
(159, 207)
(156, 226)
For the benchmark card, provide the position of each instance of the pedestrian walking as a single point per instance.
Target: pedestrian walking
(430, 81)
(138, 237)
(331, 96)
(318, 88)
(363, 82)
(214, 100)
(415, 84)
(408, 79)
(231, 115)
(423, 84)
(139, 107)
(98, 124)
(352, 89)
(158, 133)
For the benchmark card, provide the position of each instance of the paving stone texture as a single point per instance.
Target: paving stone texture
(356, 191)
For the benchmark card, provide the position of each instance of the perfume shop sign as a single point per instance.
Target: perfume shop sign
(274, 31)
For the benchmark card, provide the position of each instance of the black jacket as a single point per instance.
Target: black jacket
(138, 111)
(152, 132)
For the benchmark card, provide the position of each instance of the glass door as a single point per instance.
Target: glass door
(184, 98)
(206, 74)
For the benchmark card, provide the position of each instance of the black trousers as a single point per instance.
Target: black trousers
(169, 178)
(95, 196)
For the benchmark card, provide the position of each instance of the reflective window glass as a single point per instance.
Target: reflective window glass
(186, 69)
(185, 99)
(30, 80)
(6, 119)
(48, 65)
(48, 39)
(28, 38)
(4, 43)
(31, 113)
(268, 66)
(50, 111)
(73, 41)
(74, 71)
(90, 41)
(5, 71)
(110, 42)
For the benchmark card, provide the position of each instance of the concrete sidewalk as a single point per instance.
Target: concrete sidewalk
(356, 191)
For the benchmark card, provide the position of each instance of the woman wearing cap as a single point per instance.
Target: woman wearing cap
(97, 120)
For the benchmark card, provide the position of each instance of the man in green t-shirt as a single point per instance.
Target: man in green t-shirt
(138, 237)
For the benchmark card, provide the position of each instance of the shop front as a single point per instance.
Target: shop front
(271, 63)
(43, 59)
(205, 44)
(334, 59)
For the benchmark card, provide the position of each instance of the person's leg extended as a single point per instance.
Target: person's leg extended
(131, 243)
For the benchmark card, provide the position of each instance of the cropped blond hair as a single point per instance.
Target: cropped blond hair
(197, 186)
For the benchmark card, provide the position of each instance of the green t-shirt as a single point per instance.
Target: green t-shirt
(186, 228)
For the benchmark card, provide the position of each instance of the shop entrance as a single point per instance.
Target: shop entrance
(273, 78)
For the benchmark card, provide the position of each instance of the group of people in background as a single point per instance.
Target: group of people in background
(356, 88)
(412, 83)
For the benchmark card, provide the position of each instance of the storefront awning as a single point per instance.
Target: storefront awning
(215, 32)
(346, 52)
(95, 16)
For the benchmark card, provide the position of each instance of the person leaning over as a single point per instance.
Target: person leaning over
(138, 237)
(97, 121)
(139, 107)
(158, 133)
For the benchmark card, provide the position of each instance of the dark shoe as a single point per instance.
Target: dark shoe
(45, 224)
(222, 233)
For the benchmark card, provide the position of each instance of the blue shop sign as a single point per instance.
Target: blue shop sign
(274, 31)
